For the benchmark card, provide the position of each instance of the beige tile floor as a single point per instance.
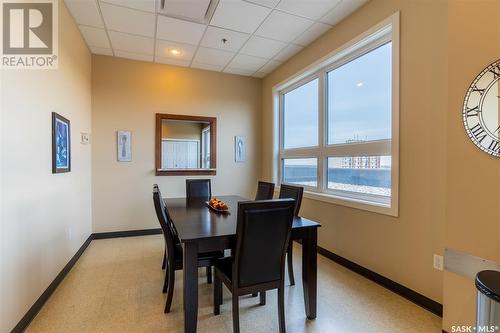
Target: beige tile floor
(116, 287)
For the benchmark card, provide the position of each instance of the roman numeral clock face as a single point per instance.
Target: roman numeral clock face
(481, 111)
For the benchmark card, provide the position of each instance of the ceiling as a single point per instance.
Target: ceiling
(259, 34)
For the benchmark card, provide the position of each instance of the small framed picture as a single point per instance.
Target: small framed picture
(240, 148)
(61, 144)
(124, 146)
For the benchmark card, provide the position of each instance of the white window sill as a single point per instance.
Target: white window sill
(371, 206)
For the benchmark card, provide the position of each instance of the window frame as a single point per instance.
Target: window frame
(377, 36)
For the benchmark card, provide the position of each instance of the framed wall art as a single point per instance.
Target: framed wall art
(61, 144)
(124, 145)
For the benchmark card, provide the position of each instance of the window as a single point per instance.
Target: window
(300, 115)
(300, 171)
(359, 98)
(205, 147)
(339, 126)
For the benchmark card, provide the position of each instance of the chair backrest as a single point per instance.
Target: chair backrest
(293, 192)
(166, 225)
(198, 188)
(265, 191)
(262, 236)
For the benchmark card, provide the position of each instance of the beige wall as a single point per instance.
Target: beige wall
(399, 248)
(126, 95)
(45, 217)
(473, 177)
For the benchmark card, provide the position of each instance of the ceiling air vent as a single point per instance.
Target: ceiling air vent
(199, 11)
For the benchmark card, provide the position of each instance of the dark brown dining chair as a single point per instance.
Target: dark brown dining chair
(198, 188)
(265, 191)
(174, 252)
(262, 234)
(293, 192)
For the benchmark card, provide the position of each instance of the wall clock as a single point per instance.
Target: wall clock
(481, 112)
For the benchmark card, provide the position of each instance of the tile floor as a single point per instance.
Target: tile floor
(116, 287)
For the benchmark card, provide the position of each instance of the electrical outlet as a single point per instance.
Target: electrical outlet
(438, 262)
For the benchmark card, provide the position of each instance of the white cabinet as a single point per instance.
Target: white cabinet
(180, 154)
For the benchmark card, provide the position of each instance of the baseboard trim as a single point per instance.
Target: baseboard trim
(411, 295)
(37, 306)
(128, 233)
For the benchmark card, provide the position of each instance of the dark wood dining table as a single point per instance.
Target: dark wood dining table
(200, 229)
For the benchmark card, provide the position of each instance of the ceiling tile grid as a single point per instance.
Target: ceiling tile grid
(243, 37)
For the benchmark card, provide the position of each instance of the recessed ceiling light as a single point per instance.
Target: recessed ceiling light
(174, 52)
(359, 84)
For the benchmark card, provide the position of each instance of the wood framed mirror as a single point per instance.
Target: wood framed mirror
(185, 145)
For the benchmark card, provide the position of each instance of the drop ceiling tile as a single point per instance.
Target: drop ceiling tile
(145, 5)
(270, 66)
(131, 43)
(287, 52)
(282, 26)
(239, 15)
(187, 50)
(213, 39)
(265, 3)
(85, 12)
(170, 61)
(95, 36)
(133, 56)
(238, 71)
(179, 30)
(101, 51)
(341, 11)
(262, 47)
(311, 34)
(313, 9)
(206, 66)
(212, 56)
(128, 20)
(260, 75)
(247, 63)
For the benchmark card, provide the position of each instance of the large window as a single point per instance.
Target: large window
(338, 128)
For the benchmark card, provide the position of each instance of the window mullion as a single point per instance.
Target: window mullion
(321, 130)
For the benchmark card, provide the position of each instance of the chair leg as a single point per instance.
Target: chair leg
(209, 274)
(217, 295)
(236, 313)
(164, 263)
(165, 283)
(289, 254)
(262, 298)
(281, 309)
(170, 289)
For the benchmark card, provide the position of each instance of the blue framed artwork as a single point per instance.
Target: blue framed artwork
(61, 144)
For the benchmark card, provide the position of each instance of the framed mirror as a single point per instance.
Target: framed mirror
(185, 145)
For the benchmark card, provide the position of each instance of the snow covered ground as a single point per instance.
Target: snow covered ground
(353, 188)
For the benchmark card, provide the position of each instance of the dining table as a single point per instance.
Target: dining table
(201, 229)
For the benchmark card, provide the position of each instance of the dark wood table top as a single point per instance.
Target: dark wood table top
(195, 221)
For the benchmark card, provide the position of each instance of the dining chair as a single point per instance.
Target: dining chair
(263, 231)
(174, 251)
(265, 191)
(293, 192)
(198, 188)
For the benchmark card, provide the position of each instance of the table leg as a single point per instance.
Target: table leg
(190, 286)
(310, 271)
